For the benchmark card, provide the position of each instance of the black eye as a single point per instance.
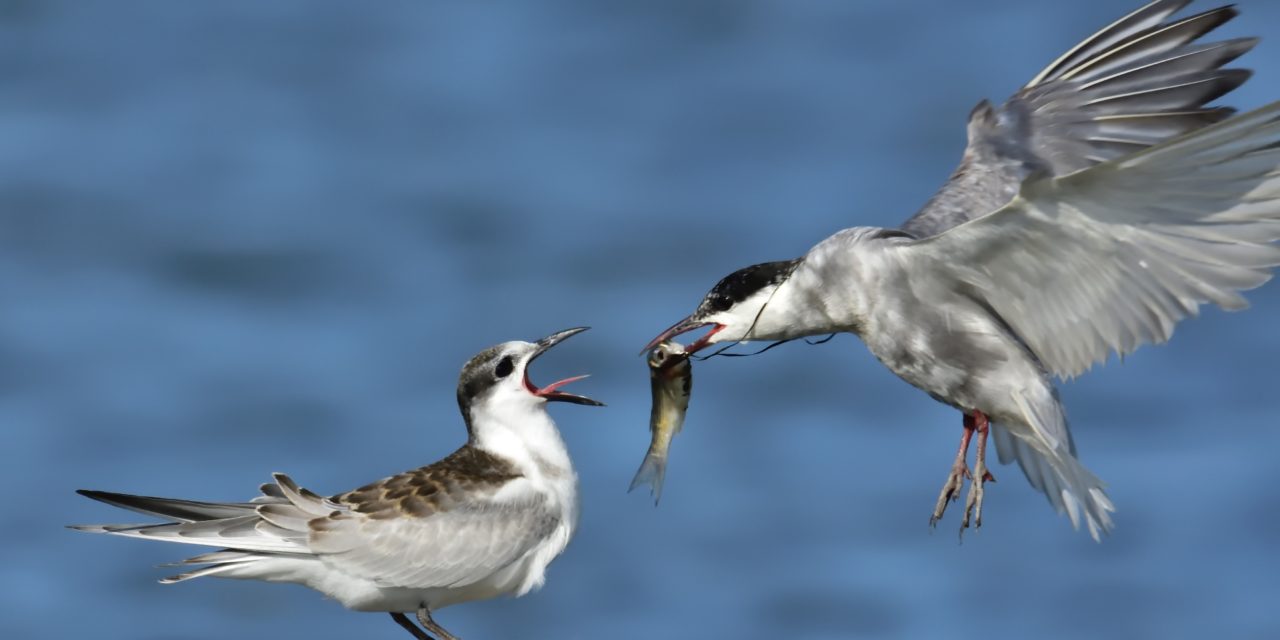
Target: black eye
(504, 368)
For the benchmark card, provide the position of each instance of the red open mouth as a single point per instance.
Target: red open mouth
(551, 391)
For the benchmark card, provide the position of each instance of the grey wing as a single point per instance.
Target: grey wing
(1136, 83)
(1113, 257)
(474, 538)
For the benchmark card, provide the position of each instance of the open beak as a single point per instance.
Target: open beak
(552, 391)
(685, 326)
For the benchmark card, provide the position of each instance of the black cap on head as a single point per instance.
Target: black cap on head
(744, 283)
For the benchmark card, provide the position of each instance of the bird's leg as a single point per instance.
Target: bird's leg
(404, 621)
(959, 471)
(973, 502)
(424, 619)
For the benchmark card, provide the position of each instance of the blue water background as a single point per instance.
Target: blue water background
(244, 237)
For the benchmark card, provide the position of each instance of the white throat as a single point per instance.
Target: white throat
(516, 426)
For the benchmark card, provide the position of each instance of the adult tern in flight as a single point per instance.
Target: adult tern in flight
(1092, 211)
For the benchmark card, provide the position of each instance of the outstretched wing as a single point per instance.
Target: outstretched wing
(1112, 257)
(433, 527)
(1136, 83)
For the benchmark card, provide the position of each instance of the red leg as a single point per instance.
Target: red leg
(959, 471)
(983, 427)
(981, 475)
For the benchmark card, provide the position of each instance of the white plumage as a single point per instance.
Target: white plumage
(485, 521)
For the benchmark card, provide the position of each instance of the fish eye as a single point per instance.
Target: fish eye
(504, 368)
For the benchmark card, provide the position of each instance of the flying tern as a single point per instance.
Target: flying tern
(1100, 205)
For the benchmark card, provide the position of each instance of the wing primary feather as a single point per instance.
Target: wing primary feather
(1142, 18)
(1140, 81)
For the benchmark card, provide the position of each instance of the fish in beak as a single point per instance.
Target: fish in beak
(685, 326)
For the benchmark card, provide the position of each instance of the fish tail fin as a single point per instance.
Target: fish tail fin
(651, 472)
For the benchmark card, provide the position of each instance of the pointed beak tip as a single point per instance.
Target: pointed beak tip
(561, 336)
(682, 327)
(685, 325)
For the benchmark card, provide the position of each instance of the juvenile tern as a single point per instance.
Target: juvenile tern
(1092, 211)
(484, 521)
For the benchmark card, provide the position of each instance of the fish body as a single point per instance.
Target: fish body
(671, 380)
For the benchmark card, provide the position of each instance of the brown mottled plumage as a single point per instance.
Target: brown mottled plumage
(483, 522)
(468, 472)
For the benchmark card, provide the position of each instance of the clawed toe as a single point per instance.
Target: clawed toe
(950, 491)
(973, 502)
(979, 423)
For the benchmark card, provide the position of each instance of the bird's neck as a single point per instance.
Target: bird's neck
(523, 433)
(819, 298)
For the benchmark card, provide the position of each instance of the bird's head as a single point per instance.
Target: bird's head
(734, 308)
(497, 379)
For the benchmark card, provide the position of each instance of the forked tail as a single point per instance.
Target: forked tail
(255, 536)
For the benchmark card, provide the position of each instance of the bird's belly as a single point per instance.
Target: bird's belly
(366, 596)
(967, 367)
(945, 383)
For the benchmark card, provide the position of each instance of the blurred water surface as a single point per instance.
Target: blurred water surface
(241, 237)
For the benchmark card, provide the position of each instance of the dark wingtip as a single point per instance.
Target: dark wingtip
(1231, 79)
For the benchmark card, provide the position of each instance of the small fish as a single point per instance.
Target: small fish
(670, 378)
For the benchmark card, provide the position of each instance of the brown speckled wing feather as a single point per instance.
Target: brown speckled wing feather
(428, 490)
(448, 524)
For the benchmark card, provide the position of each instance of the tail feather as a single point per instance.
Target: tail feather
(237, 564)
(241, 533)
(107, 528)
(215, 557)
(170, 508)
(210, 570)
(273, 525)
(1068, 485)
